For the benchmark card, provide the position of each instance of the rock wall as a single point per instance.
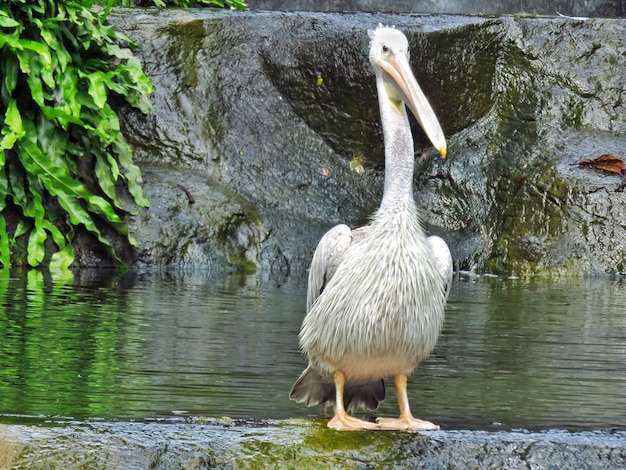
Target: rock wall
(269, 122)
(610, 8)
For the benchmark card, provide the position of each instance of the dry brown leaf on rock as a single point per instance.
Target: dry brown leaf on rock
(606, 162)
(611, 163)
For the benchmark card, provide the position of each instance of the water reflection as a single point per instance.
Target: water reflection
(512, 354)
(537, 354)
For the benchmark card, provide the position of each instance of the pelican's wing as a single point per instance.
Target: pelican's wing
(443, 259)
(328, 256)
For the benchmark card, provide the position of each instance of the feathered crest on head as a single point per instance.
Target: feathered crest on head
(372, 32)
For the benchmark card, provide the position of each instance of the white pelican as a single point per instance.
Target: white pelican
(376, 294)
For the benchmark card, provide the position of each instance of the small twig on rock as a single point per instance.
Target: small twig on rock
(486, 244)
(622, 185)
(187, 193)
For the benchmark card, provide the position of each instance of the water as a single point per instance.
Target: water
(513, 353)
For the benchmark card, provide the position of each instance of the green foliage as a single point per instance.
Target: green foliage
(232, 4)
(60, 67)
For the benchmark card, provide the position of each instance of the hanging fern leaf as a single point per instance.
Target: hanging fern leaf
(61, 65)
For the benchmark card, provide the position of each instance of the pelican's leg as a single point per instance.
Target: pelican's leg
(406, 421)
(342, 421)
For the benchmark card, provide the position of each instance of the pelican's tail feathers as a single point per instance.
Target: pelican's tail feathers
(315, 388)
(368, 395)
(312, 388)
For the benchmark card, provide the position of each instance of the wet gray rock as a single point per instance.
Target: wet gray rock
(462, 7)
(276, 112)
(194, 222)
(298, 444)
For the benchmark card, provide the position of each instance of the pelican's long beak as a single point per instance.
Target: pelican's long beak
(400, 70)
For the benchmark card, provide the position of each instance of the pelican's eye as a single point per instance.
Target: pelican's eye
(386, 49)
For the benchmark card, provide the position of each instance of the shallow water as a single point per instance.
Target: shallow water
(513, 353)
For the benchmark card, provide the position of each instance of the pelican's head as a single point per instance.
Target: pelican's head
(389, 55)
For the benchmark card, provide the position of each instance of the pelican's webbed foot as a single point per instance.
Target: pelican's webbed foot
(342, 421)
(406, 423)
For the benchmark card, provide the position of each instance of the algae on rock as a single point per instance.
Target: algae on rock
(274, 107)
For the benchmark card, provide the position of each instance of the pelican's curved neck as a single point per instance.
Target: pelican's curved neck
(399, 154)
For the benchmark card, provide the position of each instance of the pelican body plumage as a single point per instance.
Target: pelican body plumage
(376, 294)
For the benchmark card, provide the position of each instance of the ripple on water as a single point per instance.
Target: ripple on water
(513, 353)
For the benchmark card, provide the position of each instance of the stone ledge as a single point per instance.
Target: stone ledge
(227, 443)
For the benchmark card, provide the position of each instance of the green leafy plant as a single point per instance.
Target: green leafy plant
(63, 159)
(232, 4)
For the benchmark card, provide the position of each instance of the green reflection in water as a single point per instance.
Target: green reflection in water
(535, 354)
(106, 345)
(60, 344)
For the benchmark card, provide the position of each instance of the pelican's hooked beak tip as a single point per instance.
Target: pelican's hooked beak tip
(443, 151)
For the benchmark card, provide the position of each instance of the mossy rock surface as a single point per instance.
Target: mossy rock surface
(275, 108)
(297, 444)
